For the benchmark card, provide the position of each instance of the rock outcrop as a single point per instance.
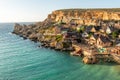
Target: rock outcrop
(46, 31)
(90, 60)
(84, 16)
(63, 28)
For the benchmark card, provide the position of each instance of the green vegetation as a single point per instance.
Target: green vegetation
(81, 29)
(114, 34)
(62, 23)
(90, 34)
(101, 50)
(66, 44)
(58, 38)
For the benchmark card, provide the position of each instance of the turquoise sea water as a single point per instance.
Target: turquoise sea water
(24, 60)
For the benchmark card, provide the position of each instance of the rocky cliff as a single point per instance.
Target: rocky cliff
(90, 29)
(84, 16)
(69, 16)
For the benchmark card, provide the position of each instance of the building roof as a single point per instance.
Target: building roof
(94, 36)
(118, 44)
(97, 28)
(104, 39)
(88, 28)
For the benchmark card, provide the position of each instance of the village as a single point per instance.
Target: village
(92, 38)
(92, 42)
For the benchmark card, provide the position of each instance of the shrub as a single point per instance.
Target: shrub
(66, 44)
(59, 37)
(81, 29)
(114, 34)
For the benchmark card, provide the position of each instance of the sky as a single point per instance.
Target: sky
(37, 10)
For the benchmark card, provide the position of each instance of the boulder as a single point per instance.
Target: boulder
(90, 60)
(33, 37)
(52, 44)
(59, 46)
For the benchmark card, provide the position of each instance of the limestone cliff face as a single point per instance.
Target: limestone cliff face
(87, 17)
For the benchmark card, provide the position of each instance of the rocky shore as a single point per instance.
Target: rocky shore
(84, 32)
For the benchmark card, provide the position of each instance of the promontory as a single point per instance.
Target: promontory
(93, 34)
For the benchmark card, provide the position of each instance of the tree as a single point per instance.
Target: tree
(81, 29)
(114, 34)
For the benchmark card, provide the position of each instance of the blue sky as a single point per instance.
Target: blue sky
(37, 10)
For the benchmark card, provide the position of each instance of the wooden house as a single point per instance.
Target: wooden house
(90, 29)
(103, 28)
(109, 29)
(117, 41)
(117, 25)
(85, 35)
(119, 36)
(103, 41)
(93, 29)
(116, 50)
(93, 39)
(97, 28)
(118, 45)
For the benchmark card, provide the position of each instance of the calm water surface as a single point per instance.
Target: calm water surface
(24, 60)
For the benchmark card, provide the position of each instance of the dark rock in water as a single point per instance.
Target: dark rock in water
(21, 35)
(24, 38)
(39, 46)
(57, 49)
(52, 47)
(33, 37)
(13, 32)
(42, 44)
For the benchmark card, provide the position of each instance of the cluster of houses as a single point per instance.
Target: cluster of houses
(103, 38)
(104, 35)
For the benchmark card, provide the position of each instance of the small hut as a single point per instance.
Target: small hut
(103, 41)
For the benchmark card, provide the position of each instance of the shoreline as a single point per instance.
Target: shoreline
(86, 58)
(93, 42)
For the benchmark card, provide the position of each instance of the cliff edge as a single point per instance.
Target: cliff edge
(84, 16)
(88, 32)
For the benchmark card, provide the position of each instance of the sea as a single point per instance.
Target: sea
(24, 60)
